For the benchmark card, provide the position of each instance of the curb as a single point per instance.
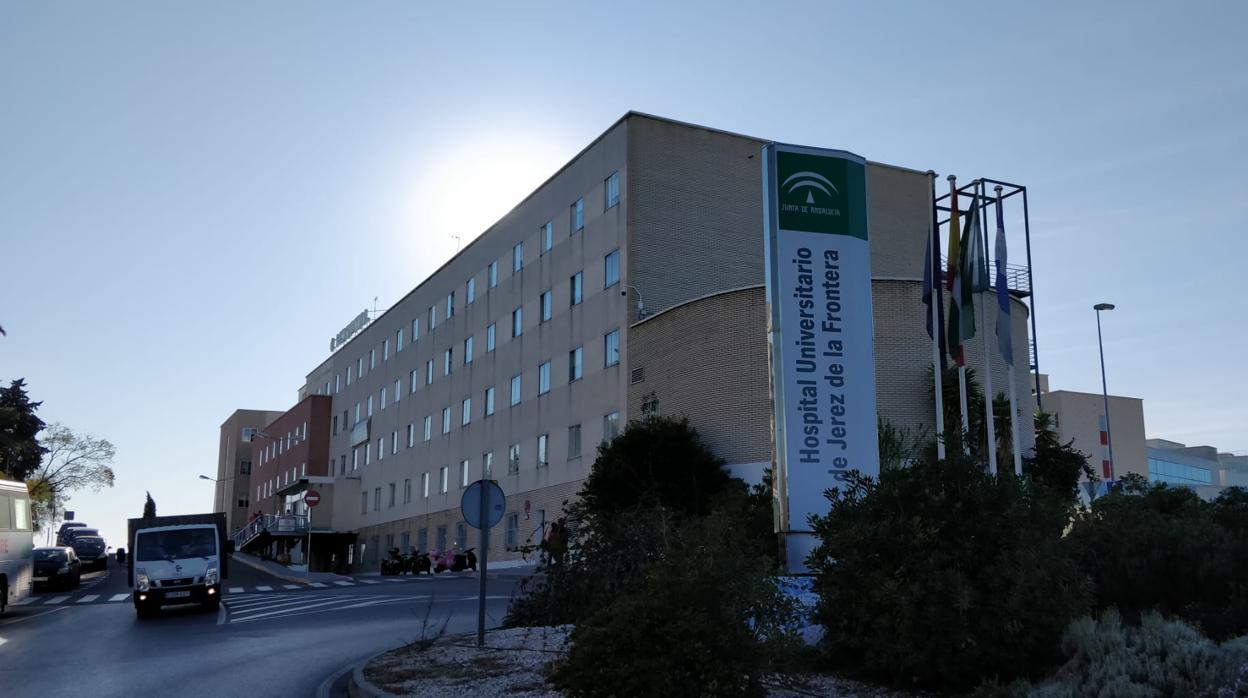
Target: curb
(359, 687)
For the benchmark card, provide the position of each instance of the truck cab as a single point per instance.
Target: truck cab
(177, 564)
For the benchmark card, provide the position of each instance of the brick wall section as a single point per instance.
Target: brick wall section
(707, 360)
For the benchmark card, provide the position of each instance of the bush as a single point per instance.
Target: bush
(942, 575)
(1156, 547)
(706, 620)
(1158, 658)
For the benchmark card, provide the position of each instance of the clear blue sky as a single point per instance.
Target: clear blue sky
(192, 198)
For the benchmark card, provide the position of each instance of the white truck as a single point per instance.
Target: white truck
(177, 560)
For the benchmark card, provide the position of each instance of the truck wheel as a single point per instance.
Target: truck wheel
(144, 611)
(211, 606)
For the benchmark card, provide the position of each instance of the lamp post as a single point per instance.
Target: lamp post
(1109, 438)
(214, 494)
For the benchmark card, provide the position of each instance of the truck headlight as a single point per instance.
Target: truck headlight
(141, 580)
(212, 576)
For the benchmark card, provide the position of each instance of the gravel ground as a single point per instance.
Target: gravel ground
(511, 665)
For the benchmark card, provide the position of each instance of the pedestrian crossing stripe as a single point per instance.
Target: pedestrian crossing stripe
(55, 600)
(290, 586)
(88, 598)
(317, 585)
(341, 583)
(264, 588)
(368, 581)
(119, 597)
(236, 590)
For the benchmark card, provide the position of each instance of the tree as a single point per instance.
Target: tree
(149, 507)
(20, 451)
(71, 462)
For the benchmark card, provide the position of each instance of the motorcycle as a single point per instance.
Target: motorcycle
(465, 560)
(421, 563)
(393, 563)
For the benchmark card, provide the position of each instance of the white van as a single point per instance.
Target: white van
(176, 565)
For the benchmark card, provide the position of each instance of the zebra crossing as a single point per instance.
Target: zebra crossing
(250, 609)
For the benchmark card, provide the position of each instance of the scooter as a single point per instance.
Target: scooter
(393, 563)
(420, 563)
(466, 560)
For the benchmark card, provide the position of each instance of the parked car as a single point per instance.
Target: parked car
(63, 535)
(57, 566)
(91, 550)
(73, 533)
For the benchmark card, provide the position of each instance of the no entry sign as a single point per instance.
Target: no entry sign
(312, 498)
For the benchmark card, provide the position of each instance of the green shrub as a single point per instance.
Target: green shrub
(942, 575)
(1158, 658)
(1156, 547)
(706, 620)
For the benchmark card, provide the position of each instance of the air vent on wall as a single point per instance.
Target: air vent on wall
(638, 375)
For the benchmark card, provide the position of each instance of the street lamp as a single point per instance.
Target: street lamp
(1109, 438)
(214, 494)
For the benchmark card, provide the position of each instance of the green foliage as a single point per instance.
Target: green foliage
(1158, 658)
(942, 575)
(705, 620)
(1156, 547)
(897, 446)
(642, 487)
(149, 507)
(655, 462)
(20, 451)
(1055, 465)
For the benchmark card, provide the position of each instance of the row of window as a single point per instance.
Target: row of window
(363, 456)
(1177, 473)
(576, 371)
(277, 446)
(611, 198)
(282, 479)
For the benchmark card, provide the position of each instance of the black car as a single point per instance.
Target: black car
(63, 535)
(57, 567)
(91, 550)
(73, 533)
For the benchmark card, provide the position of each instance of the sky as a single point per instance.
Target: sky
(193, 195)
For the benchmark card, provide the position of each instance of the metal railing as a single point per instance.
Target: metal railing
(1017, 276)
(284, 524)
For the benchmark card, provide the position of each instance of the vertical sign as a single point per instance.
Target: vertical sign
(818, 268)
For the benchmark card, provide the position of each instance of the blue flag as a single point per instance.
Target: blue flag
(1004, 339)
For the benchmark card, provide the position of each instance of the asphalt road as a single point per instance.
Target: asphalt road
(268, 639)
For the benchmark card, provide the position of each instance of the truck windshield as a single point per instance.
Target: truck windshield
(171, 545)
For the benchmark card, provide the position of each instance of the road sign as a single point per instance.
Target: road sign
(493, 501)
(312, 498)
(69, 515)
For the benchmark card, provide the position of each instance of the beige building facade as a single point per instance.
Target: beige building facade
(1080, 417)
(630, 281)
(235, 462)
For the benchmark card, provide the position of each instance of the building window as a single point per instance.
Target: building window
(543, 378)
(376, 499)
(487, 464)
(512, 536)
(611, 426)
(517, 321)
(513, 459)
(490, 333)
(433, 317)
(546, 306)
(461, 535)
(542, 441)
(611, 269)
(398, 389)
(394, 442)
(407, 490)
(466, 412)
(611, 343)
(385, 350)
(441, 537)
(576, 292)
(493, 273)
(547, 234)
(424, 484)
(411, 389)
(470, 293)
(517, 257)
(422, 539)
(392, 491)
(429, 372)
(244, 467)
(576, 364)
(450, 305)
(363, 502)
(359, 367)
(383, 397)
(398, 341)
(447, 357)
(243, 502)
(355, 458)
(445, 476)
(348, 375)
(574, 441)
(468, 351)
(370, 405)
(577, 215)
(411, 435)
(611, 190)
(515, 390)
(463, 473)
(415, 330)
(337, 383)
(405, 541)
(446, 420)
(381, 448)
(428, 427)
(249, 433)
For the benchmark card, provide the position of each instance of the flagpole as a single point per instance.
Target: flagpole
(980, 199)
(1009, 371)
(953, 196)
(937, 299)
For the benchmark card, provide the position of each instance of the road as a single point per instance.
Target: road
(270, 638)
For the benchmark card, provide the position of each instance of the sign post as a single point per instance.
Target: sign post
(311, 498)
(818, 275)
(483, 504)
